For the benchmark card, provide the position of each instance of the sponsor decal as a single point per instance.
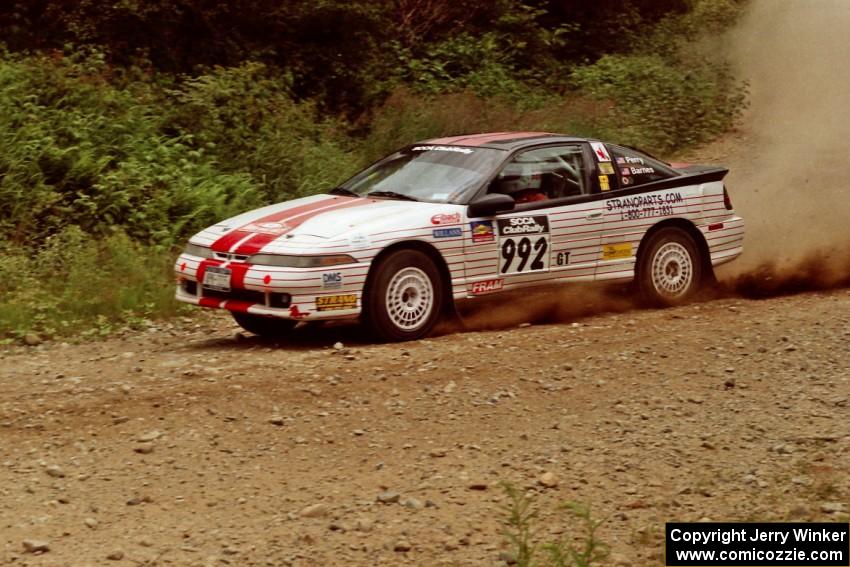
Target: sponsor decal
(600, 151)
(331, 280)
(524, 244)
(482, 231)
(273, 228)
(625, 171)
(359, 241)
(336, 302)
(626, 181)
(644, 206)
(606, 168)
(487, 286)
(442, 149)
(296, 313)
(617, 251)
(446, 218)
(603, 183)
(523, 225)
(447, 232)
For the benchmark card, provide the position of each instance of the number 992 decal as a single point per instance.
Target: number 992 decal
(524, 244)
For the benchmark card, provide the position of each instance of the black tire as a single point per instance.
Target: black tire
(271, 327)
(414, 301)
(670, 269)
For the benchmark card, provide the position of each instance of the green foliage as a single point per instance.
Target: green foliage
(74, 284)
(582, 549)
(77, 150)
(245, 117)
(661, 106)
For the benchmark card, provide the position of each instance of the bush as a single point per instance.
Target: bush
(248, 120)
(661, 106)
(77, 150)
(408, 116)
(76, 284)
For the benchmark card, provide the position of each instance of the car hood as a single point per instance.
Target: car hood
(322, 218)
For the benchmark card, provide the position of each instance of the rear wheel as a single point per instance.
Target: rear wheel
(405, 296)
(271, 327)
(670, 268)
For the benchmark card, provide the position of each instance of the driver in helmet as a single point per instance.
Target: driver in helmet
(522, 182)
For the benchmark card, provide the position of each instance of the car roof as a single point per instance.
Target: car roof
(503, 140)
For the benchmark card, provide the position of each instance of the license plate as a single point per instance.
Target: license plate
(217, 279)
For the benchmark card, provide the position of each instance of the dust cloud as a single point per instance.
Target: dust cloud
(790, 176)
(789, 163)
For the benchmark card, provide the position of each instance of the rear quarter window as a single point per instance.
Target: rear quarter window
(636, 168)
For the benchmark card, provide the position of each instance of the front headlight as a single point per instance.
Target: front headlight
(199, 251)
(284, 261)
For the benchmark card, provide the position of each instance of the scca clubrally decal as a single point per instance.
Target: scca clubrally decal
(519, 226)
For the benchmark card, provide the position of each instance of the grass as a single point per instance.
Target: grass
(77, 286)
(580, 547)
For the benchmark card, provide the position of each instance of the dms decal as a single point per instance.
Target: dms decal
(523, 225)
(487, 286)
(336, 302)
(446, 218)
(447, 232)
(482, 231)
(332, 280)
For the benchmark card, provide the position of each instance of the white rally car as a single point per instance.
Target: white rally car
(455, 218)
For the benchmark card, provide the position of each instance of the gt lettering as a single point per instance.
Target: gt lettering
(562, 258)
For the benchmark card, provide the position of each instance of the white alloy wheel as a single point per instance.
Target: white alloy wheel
(672, 270)
(409, 298)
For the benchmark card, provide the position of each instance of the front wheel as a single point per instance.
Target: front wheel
(670, 269)
(270, 327)
(405, 296)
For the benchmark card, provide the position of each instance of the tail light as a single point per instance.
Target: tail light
(727, 202)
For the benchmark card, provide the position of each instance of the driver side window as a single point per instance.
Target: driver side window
(542, 174)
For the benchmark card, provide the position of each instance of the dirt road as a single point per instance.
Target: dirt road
(189, 445)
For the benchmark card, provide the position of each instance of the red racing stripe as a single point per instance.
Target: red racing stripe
(255, 244)
(226, 242)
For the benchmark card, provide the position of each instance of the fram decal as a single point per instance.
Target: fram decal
(487, 286)
(447, 232)
(600, 151)
(443, 218)
(336, 302)
(331, 280)
(482, 231)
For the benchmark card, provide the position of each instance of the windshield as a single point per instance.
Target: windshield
(435, 174)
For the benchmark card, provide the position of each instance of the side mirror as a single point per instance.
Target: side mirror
(490, 204)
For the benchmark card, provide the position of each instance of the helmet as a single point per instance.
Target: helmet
(518, 177)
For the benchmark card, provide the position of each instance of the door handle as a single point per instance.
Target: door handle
(596, 215)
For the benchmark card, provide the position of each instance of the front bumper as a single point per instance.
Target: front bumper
(302, 294)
